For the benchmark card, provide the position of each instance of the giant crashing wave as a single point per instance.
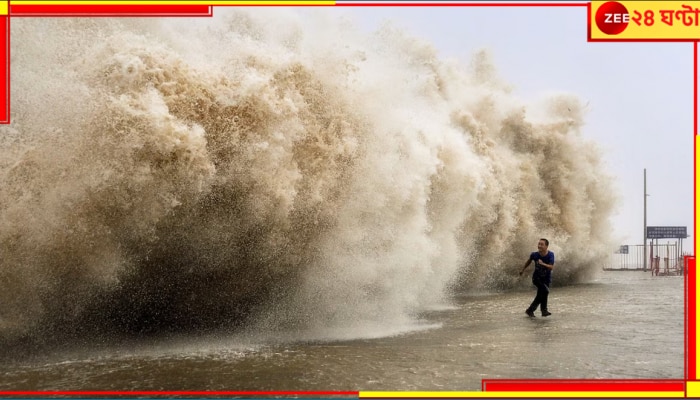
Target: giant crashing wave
(169, 176)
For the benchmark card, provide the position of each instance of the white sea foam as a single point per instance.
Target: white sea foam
(257, 168)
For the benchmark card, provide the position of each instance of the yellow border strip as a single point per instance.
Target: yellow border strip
(539, 395)
(4, 8)
(172, 2)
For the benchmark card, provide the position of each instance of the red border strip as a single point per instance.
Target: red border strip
(121, 10)
(512, 385)
(691, 319)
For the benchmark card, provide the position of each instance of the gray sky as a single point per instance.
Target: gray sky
(640, 94)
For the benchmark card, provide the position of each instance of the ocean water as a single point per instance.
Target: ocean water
(268, 200)
(621, 325)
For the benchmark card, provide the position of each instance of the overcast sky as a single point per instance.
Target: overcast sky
(640, 94)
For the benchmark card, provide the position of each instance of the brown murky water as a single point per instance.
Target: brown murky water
(621, 325)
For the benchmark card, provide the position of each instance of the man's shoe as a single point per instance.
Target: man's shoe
(546, 313)
(530, 313)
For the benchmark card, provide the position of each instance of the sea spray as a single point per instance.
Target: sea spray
(176, 176)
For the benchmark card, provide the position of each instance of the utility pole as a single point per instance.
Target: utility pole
(645, 219)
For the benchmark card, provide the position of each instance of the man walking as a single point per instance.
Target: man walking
(541, 277)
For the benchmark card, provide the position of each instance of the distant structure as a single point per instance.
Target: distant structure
(660, 258)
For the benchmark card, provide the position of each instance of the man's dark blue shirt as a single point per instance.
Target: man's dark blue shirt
(541, 273)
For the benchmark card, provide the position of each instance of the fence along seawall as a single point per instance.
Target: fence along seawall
(662, 258)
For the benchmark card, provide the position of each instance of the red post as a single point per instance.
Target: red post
(690, 317)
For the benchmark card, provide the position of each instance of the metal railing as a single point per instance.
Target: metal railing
(662, 259)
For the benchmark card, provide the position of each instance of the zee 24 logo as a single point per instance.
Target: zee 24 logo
(612, 17)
